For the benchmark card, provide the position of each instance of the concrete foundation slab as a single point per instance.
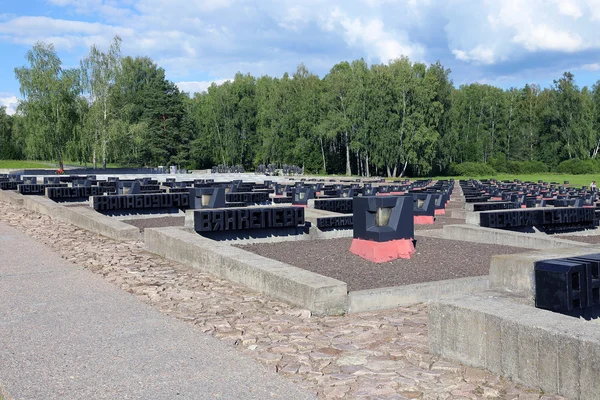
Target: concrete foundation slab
(557, 353)
(478, 234)
(320, 294)
(397, 296)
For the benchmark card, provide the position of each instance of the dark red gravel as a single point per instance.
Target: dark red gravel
(160, 222)
(435, 259)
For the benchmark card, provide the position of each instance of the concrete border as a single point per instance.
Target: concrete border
(397, 296)
(320, 294)
(82, 217)
(538, 348)
(11, 197)
(87, 218)
(478, 234)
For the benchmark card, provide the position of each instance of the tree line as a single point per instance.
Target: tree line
(399, 118)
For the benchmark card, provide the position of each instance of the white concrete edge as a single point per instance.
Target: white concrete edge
(398, 296)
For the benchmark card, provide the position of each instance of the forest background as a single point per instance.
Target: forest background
(402, 118)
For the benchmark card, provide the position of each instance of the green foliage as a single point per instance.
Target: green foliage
(500, 164)
(49, 108)
(8, 145)
(395, 119)
(472, 169)
(19, 164)
(577, 167)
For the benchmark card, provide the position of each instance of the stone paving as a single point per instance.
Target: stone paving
(376, 355)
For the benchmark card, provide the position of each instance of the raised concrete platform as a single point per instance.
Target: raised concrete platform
(559, 354)
(514, 273)
(320, 294)
(82, 217)
(478, 234)
(11, 197)
(459, 214)
(397, 296)
(87, 218)
(473, 218)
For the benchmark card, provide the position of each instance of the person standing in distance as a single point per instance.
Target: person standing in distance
(593, 186)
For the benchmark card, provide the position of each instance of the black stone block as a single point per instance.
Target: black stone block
(37, 189)
(207, 198)
(335, 222)
(301, 195)
(383, 218)
(334, 205)
(559, 285)
(248, 218)
(423, 204)
(141, 201)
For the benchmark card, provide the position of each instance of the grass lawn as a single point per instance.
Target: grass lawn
(20, 164)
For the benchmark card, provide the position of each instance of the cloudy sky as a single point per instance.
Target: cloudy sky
(501, 42)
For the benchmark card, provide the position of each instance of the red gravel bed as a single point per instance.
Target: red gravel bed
(160, 222)
(435, 259)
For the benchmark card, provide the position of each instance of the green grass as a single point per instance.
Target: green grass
(574, 180)
(20, 164)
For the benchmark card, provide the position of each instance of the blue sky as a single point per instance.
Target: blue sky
(500, 42)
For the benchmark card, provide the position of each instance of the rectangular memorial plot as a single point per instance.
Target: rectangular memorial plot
(74, 193)
(247, 197)
(342, 206)
(496, 205)
(140, 201)
(245, 219)
(10, 185)
(548, 219)
(38, 189)
(435, 259)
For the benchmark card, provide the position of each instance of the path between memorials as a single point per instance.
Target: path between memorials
(379, 354)
(68, 334)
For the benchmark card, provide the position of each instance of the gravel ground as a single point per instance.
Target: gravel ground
(160, 222)
(435, 259)
(593, 239)
(440, 221)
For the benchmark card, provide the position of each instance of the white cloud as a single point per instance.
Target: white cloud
(64, 34)
(543, 37)
(569, 8)
(198, 39)
(479, 54)
(11, 103)
(198, 86)
(374, 39)
(591, 67)
(509, 29)
(593, 8)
